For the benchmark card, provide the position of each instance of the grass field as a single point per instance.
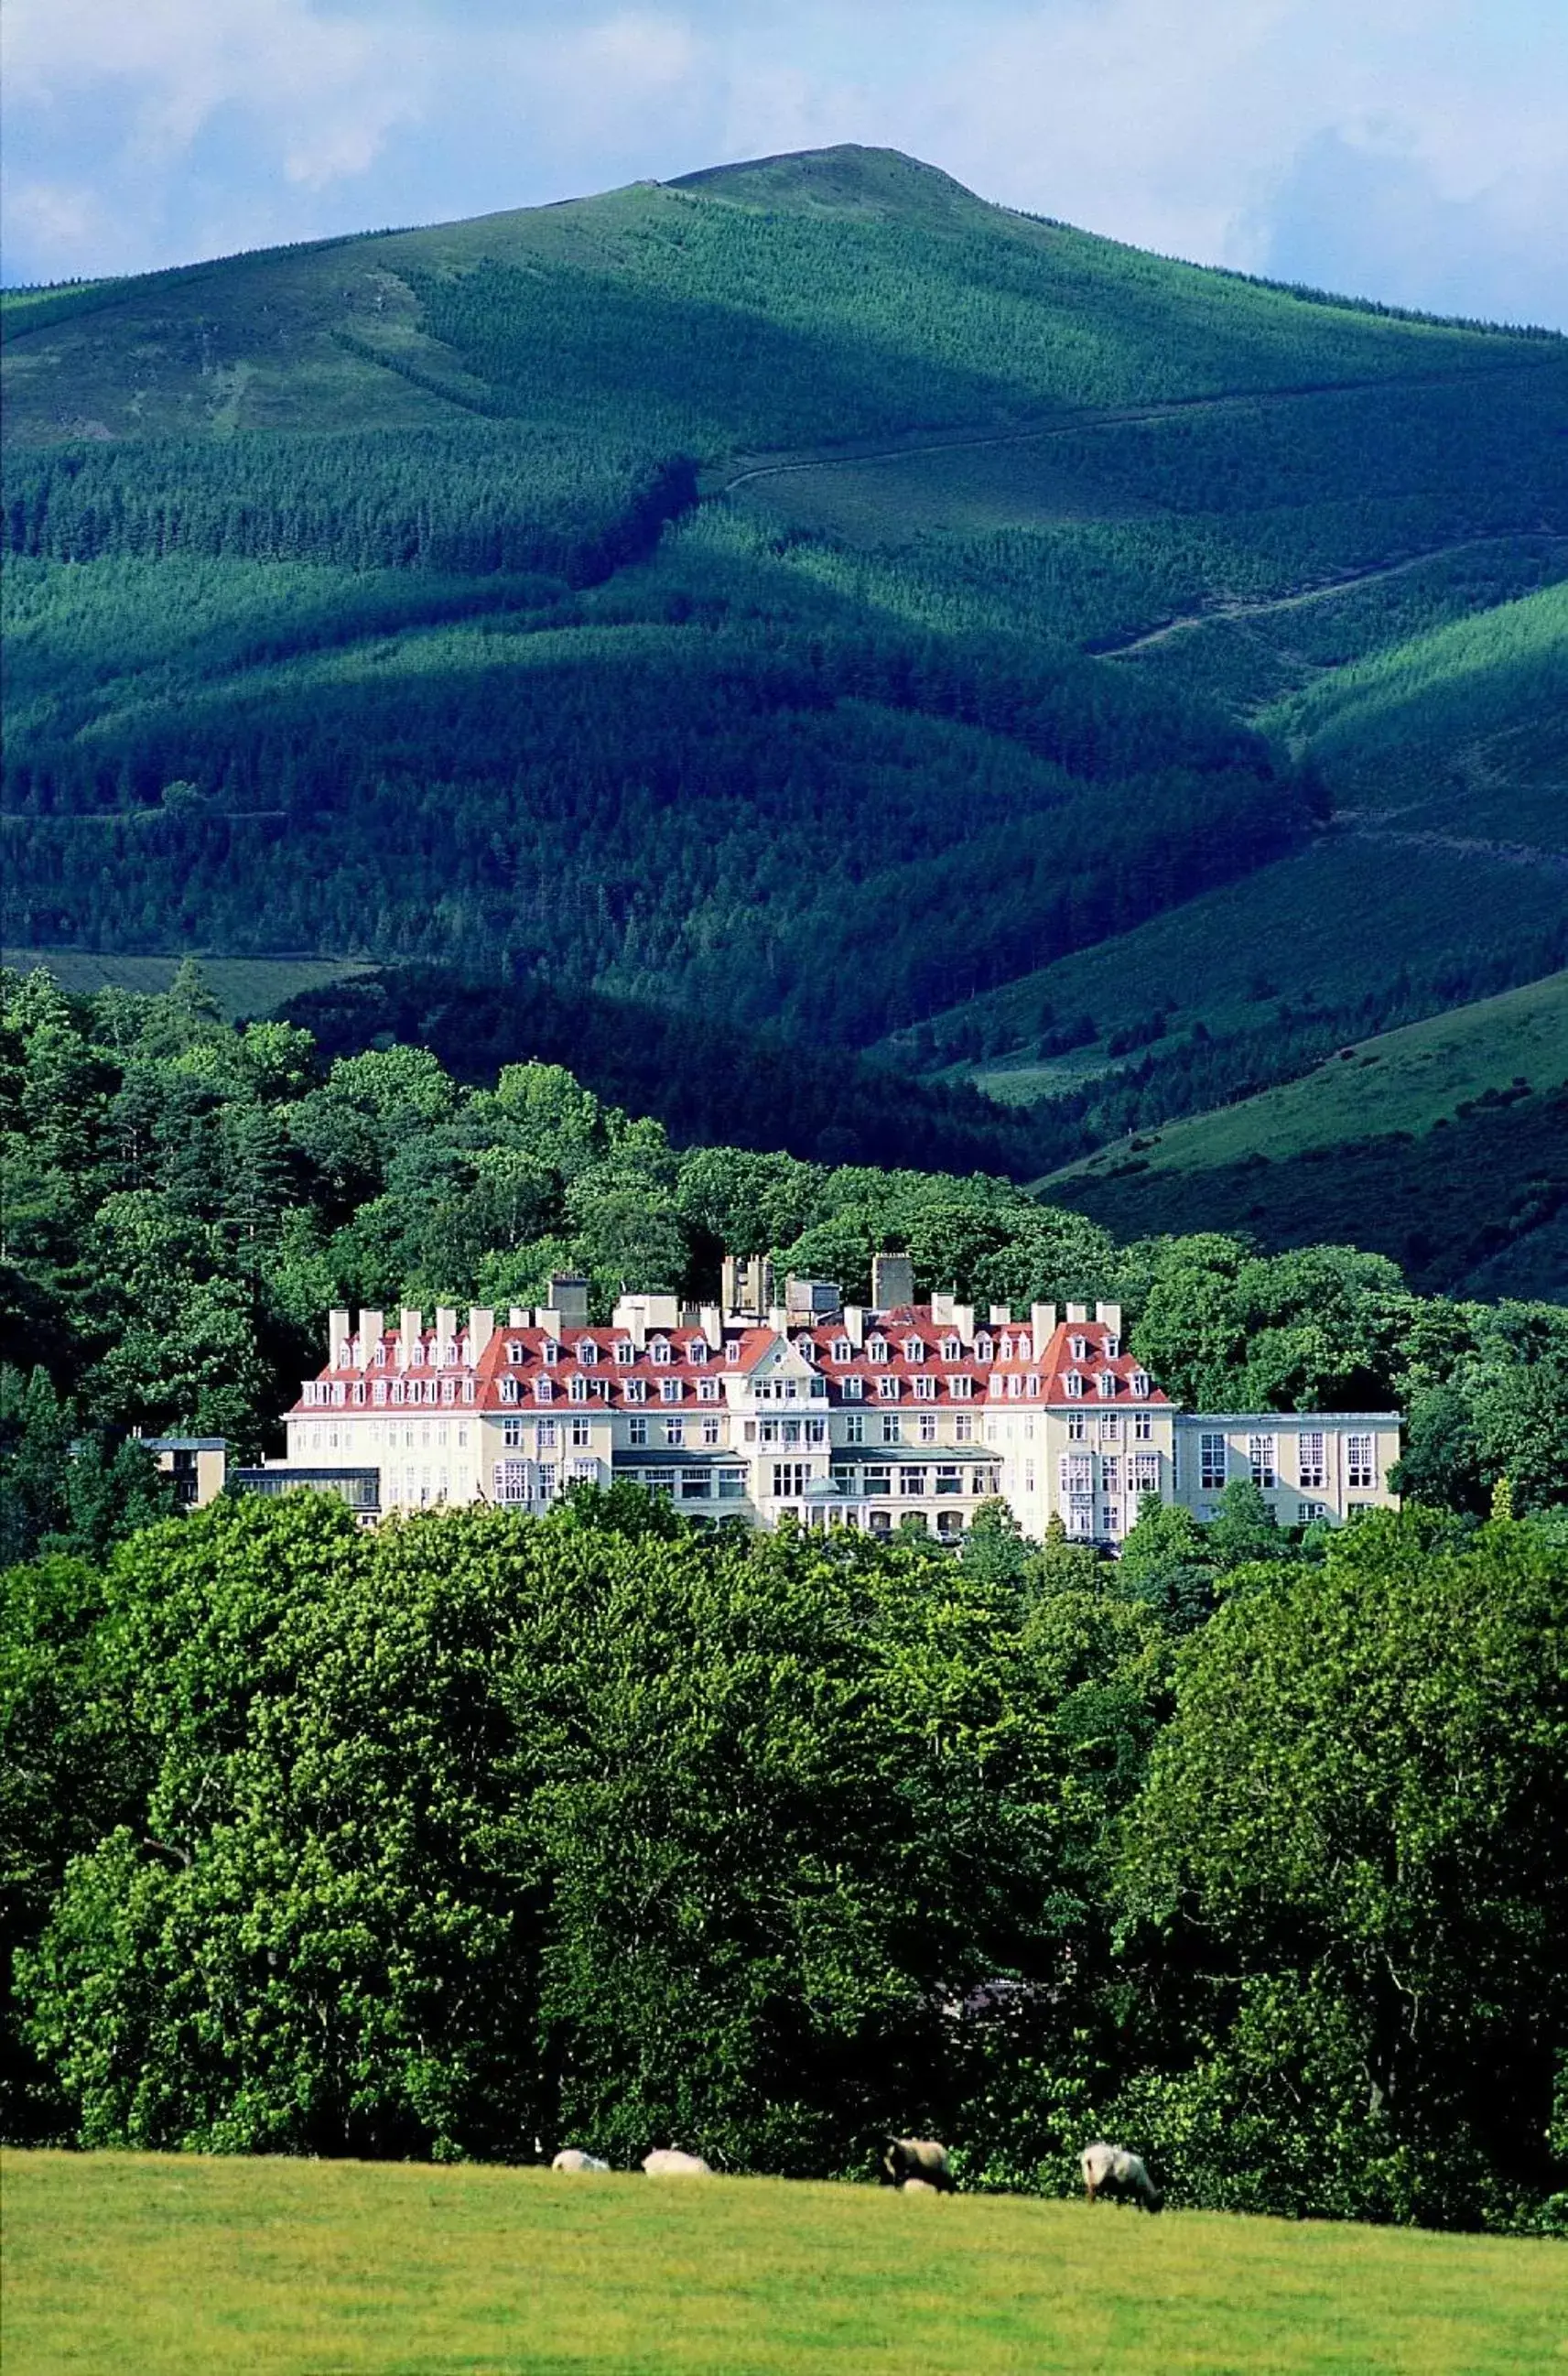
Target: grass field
(243, 986)
(160, 2264)
(1399, 1081)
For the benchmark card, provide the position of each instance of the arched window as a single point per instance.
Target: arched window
(588, 1351)
(658, 1351)
(982, 1347)
(876, 1349)
(914, 1350)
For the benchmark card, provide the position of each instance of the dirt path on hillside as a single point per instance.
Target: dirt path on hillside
(1075, 424)
(1505, 853)
(1324, 593)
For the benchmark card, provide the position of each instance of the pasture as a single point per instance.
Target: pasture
(163, 2264)
(243, 986)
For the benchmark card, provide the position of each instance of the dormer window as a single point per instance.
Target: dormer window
(951, 1349)
(854, 1388)
(509, 1391)
(842, 1350)
(670, 1390)
(1007, 1353)
(636, 1390)
(1140, 1384)
(1107, 1385)
(876, 1349)
(1112, 1348)
(514, 1350)
(543, 1391)
(626, 1352)
(659, 1353)
(698, 1350)
(913, 1349)
(733, 1354)
(887, 1390)
(982, 1349)
(1073, 1385)
(579, 1390)
(380, 1356)
(1079, 1348)
(552, 1351)
(588, 1351)
(1031, 1383)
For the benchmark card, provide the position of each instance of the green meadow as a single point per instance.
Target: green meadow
(163, 2264)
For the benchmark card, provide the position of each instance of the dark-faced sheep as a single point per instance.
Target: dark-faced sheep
(904, 2159)
(1113, 2170)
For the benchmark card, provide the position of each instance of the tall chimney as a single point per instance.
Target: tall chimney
(372, 1327)
(1110, 1316)
(711, 1322)
(1077, 1313)
(1042, 1320)
(446, 1333)
(337, 1337)
(892, 1281)
(411, 1329)
(569, 1297)
(855, 1325)
(1002, 1315)
(964, 1322)
(482, 1328)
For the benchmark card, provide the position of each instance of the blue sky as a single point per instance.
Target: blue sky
(1411, 149)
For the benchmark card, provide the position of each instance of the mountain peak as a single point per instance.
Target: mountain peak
(846, 179)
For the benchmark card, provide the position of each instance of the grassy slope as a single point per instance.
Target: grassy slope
(1398, 1081)
(165, 2265)
(243, 986)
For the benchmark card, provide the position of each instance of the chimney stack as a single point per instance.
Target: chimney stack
(1042, 1321)
(1002, 1315)
(1077, 1313)
(337, 1337)
(445, 1334)
(482, 1328)
(569, 1297)
(892, 1282)
(1110, 1316)
(711, 1322)
(855, 1326)
(371, 1326)
(410, 1330)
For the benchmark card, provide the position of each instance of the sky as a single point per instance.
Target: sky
(1415, 151)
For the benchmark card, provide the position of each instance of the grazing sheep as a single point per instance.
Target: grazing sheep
(917, 2186)
(573, 2158)
(905, 2159)
(667, 2161)
(1113, 2170)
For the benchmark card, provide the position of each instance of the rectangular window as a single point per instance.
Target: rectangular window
(1211, 1464)
(694, 1484)
(547, 1478)
(912, 1483)
(962, 1389)
(1110, 1474)
(637, 1432)
(887, 1390)
(660, 1481)
(789, 1479)
(1146, 1472)
(1077, 1426)
(1077, 1473)
(585, 1472)
(1260, 1455)
(876, 1481)
(925, 1390)
(1360, 1469)
(892, 1428)
(510, 1480)
(853, 1389)
(512, 1433)
(670, 1390)
(1143, 1427)
(1310, 1462)
(708, 1390)
(710, 1431)
(855, 1428)
(963, 1429)
(928, 1427)
(1111, 1427)
(582, 1432)
(732, 1484)
(949, 1480)
(675, 1434)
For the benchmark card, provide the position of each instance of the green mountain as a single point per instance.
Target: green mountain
(806, 595)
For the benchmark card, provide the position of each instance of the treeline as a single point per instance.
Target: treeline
(185, 1200)
(475, 499)
(321, 1842)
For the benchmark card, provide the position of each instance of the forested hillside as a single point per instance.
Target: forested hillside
(185, 1200)
(802, 594)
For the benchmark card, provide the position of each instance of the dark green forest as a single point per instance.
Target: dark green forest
(727, 595)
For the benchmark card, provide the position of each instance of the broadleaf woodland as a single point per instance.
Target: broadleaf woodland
(793, 613)
(484, 1830)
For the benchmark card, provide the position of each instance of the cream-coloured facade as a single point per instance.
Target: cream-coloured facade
(836, 1415)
